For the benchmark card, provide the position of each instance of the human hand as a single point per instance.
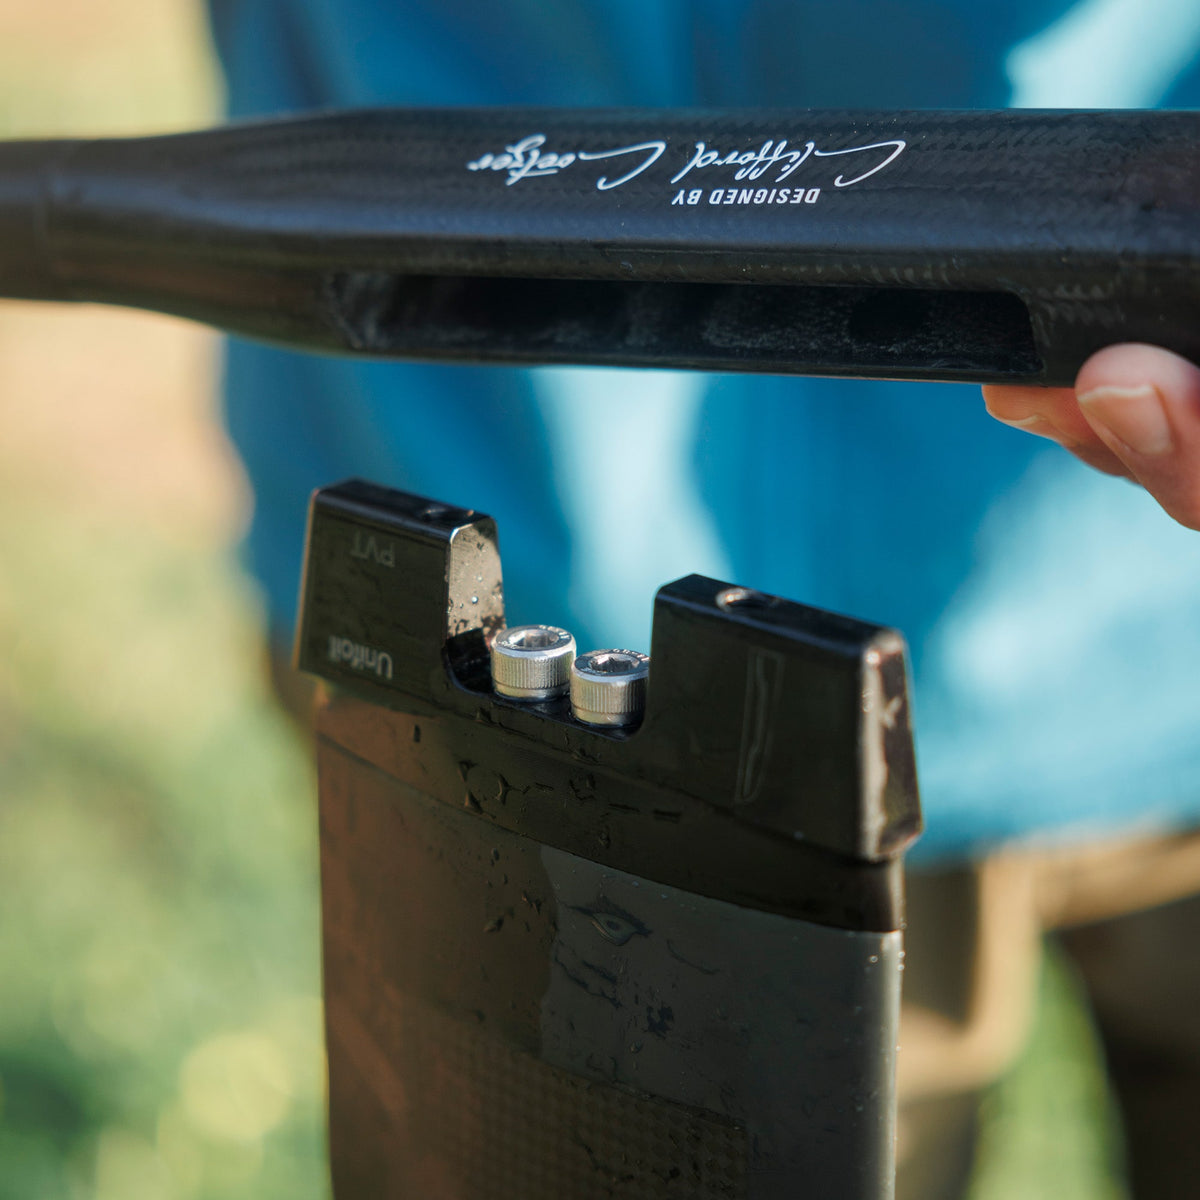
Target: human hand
(1134, 411)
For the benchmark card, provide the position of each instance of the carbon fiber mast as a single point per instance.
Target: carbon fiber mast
(982, 246)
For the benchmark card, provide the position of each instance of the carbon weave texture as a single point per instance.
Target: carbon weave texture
(554, 1135)
(502, 1125)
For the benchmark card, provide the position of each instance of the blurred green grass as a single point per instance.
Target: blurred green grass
(159, 1013)
(159, 974)
(1048, 1129)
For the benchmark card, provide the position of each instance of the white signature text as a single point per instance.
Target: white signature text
(528, 159)
(753, 164)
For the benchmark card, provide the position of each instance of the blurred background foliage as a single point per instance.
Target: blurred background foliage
(159, 961)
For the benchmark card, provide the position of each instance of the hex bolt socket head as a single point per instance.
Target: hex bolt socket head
(532, 662)
(608, 687)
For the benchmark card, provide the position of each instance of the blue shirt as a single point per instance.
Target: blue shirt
(1053, 614)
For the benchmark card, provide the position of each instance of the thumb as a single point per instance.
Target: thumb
(1143, 403)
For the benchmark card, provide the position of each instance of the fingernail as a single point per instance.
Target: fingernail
(1042, 428)
(1135, 416)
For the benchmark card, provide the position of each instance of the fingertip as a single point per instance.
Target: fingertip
(1011, 403)
(1049, 413)
(1137, 365)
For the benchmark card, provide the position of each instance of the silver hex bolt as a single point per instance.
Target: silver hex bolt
(532, 662)
(608, 687)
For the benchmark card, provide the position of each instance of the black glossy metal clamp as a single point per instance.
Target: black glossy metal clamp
(774, 766)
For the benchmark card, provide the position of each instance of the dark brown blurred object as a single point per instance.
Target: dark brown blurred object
(1143, 976)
